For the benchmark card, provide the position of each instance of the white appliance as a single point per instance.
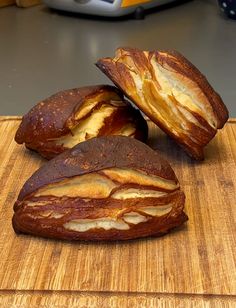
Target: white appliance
(110, 8)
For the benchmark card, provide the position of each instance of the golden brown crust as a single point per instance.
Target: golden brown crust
(172, 92)
(54, 118)
(144, 198)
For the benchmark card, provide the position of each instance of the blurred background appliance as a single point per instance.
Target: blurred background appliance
(110, 8)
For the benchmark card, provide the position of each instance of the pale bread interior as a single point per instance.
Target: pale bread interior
(87, 128)
(91, 121)
(90, 103)
(125, 175)
(95, 186)
(173, 99)
(107, 184)
(122, 223)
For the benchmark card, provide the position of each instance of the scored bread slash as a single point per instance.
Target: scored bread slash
(171, 92)
(106, 188)
(73, 116)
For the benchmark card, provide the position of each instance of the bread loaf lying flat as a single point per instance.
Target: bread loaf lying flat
(171, 92)
(107, 188)
(73, 116)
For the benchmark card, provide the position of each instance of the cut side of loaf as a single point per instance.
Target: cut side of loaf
(171, 92)
(107, 188)
(73, 116)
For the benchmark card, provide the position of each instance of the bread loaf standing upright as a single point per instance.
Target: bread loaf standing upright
(170, 91)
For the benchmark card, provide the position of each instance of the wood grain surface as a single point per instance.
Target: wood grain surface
(194, 266)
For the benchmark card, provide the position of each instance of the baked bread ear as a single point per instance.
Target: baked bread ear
(107, 188)
(72, 116)
(170, 91)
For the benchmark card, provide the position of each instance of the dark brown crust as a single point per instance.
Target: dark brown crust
(24, 220)
(78, 208)
(48, 216)
(202, 136)
(55, 112)
(97, 154)
(53, 117)
(117, 72)
(47, 150)
(181, 65)
(119, 76)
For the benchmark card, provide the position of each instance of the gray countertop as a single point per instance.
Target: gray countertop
(43, 51)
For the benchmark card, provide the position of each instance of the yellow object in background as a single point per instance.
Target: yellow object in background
(127, 3)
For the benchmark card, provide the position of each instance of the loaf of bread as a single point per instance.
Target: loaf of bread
(171, 92)
(106, 188)
(73, 116)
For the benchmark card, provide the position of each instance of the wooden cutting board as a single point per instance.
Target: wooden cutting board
(193, 266)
